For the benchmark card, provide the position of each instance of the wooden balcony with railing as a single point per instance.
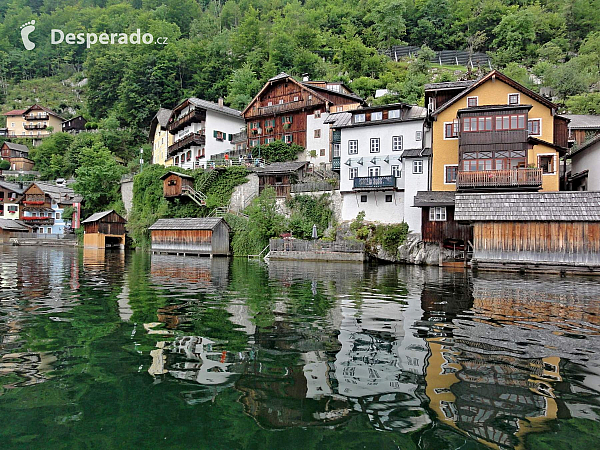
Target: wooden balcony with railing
(524, 178)
(37, 116)
(272, 110)
(386, 182)
(193, 116)
(35, 126)
(183, 144)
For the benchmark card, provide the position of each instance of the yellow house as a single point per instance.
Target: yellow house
(160, 138)
(34, 122)
(494, 134)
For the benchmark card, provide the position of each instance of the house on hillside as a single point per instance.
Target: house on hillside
(281, 176)
(74, 125)
(582, 128)
(17, 155)
(383, 162)
(585, 166)
(34, 122)
(105, 229)
(191, 236)
(43, 204)
(295, 112)
(160, 138)
(201, 129)
(10, 196)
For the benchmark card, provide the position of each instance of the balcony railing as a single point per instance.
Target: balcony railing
(40, 116)
(35, 126)
(191, 139)
(372, 183)
(335, 163)
(511, 178)
(46, 220)
(281, 108)
(191, 117)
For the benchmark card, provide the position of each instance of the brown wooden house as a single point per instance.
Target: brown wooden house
(281, 176)
(544, 231)
(7, 227)
(438, 223)
(17, 155)
(105, 229)
(174, 183)
(74, 125)
(191, 236)
(279, 111)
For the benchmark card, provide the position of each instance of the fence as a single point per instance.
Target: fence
(442, 57)
(298, 245)
(313, 186)
(45, 236)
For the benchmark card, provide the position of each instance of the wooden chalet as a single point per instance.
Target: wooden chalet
(537, 231)
(175, 183)
(279, 111)
(191, 236)
(281, 176)
(438, 223)
(17, 155)
(105, 229)
(8, 226)
(74, 125)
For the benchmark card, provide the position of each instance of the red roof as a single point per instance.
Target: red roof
(14, 112)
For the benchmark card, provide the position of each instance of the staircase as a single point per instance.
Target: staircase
(326, 174)
(221, 211)
(195, 195)
(207, 178)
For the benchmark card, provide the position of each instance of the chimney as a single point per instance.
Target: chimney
(305, 77)
(220, 102)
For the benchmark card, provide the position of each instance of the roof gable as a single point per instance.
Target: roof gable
(43, 108)
(188, 223)
(99, 215)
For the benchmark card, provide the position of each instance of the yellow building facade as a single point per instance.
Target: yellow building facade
(495, 90)
(160, 138)
(34, 122)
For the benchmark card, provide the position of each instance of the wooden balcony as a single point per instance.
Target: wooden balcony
(282, 108)
(45, 220)
(198, 139)
(37, 116)
(387, 182)
(35, 126)
(525, 178)
(193, 116)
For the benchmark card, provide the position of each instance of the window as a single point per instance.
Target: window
(374, 171)
(339, 108)
(12, 209)
(270, 104)
(451, 172)
(418, 135)
(546, 162)
(269, 140)
(296, 98)
(352, 172)
(534, 127)
(281, 102)
(286, 120)
(322, 152)
(49, 230)
(189, 156)
(388, 198)
(451, 130)
(417, 166)
(437, 213)
(278, 180)
(477, 124)
(376, 115)
(12, 124)
(317, 134)
(363, 199)
(254, 142)
(41, 231)
(57, 216)
(287, 138)
(336, 150)
(513, 122)
(352, 147)
(396, 143)
(359, 118)
(375, 145)
(493, 160)
(513, 99)
(471, 102)
(317, 113)
(394, 114)
(396, 171)
(177, 160)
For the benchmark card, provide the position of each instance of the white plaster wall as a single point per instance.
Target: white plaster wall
(14, 216)
(376, 209)
(588, 160)
(412, 184)
(312, 143)
(224, 123)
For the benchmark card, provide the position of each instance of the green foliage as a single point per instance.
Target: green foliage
(584, 104)
(220, 190)
(279, 151)
(4, 164)
(306, 211)
(389, 237)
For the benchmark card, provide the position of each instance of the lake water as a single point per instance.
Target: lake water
(140, 351)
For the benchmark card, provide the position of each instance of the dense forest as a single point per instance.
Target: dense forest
(229, 48)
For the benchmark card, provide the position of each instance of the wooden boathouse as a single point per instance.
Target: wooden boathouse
(105, 229)
(175, 183)
(191, 236)
(533, 231)
(438, 224)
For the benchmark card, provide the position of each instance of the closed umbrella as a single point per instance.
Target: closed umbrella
(314, 232)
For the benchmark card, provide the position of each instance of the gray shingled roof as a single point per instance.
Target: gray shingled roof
(61, 194)
(338, 119)
(97, 216)
(14, 187)
(182, 175)
(583, 121)
(281, 167)
(585, 146)
(162, 116)
(12, 225)
(188, 223)
(416, 152)
(215, 107)
(449, 85)
(434, 198)
(279, 76)
(18, 147)
(414, 113)
(529, 206)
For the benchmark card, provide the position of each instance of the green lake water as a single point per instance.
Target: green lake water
(138, 351)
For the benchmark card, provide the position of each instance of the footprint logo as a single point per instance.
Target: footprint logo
(26, 30)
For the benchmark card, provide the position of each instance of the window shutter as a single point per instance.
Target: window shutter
(215, 133)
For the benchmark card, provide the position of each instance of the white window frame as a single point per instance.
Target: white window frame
(353, 147)
(288, 139)
(554, 162)
(396, 171)
(438, 214)
(296, 98)
(375, 171)
(518, 98)
(445, 172)
(359, 118)
(476, 101)
(317, 133)
(352, 173)
(458, 128)
(317, 114)
(376, 141)
(394, 114)
(395, 140)
(417, 163)
(418, 135)
(377, 115)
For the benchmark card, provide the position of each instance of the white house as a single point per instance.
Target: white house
(585, 166)
(201, 129)
(383, 163)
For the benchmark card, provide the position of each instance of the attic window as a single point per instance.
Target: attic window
(471, 102)
(513, 99)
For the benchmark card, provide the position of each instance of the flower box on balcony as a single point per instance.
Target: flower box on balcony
(287, 125)
(30, 202)
(269, 129)
(254, 130)
(37, 218)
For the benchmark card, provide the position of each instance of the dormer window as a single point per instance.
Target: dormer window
(394, 114)
(376, 116)
(358, 118)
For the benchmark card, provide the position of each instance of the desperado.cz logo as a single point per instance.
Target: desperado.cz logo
(89, 39)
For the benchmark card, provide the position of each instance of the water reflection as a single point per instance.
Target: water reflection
(385, 356)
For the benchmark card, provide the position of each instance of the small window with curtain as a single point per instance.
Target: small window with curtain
(437, 214)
